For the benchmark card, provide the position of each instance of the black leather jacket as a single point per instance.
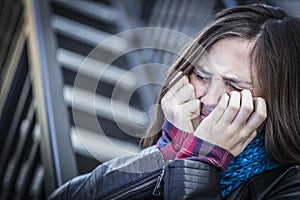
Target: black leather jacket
(147, 176)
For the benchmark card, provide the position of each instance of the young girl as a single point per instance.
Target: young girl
(229, 124)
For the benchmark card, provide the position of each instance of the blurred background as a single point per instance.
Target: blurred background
(78, 81)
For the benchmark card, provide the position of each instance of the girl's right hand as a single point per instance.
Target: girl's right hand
(180, 105)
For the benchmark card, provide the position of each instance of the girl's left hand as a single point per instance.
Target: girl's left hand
(233, 122)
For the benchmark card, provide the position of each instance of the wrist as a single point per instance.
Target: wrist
(171, 140)
(197, 149)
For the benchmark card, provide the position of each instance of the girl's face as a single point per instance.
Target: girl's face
(225, 68)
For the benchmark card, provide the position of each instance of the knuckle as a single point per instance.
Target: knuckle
(260, 101)
(248, 108)
(233, 107)
(191, 87)
(185, 79)
(164, 107)
(176, 112)
(164, 103)
(262, 115)
(176, 97)
(195, 104)
(222, 106)
(177, 118)
(163, 100)
(170, 113)
(223, 102)
(244, 134)
(246, 92)
(234, 93)
(169, 110)
(171, 92)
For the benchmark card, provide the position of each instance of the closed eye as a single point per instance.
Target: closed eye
(234, 88)
(201, 77)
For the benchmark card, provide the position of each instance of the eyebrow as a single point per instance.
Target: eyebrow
(203, 70)
(236, 80)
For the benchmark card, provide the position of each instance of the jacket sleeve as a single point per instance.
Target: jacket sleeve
(116, 179)
(136, 177)
(188, 179)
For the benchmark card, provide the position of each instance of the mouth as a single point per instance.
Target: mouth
(203, 115)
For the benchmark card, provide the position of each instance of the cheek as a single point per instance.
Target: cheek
(257, 90)
(199, 86)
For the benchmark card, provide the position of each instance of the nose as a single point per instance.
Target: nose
(213, 93)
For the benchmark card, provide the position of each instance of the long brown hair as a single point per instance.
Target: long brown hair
(275, 55)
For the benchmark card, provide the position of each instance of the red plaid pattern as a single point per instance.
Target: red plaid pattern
(177, 144)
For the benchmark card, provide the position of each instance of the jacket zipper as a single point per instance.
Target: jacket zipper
(135, 189)
(157, 189)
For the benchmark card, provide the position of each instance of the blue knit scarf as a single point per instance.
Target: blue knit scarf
(252, 161)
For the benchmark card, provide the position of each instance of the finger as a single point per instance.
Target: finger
(184, 112)
(258, 116)
(184, 94)
(182, 115)
(233, 107)
(180, 83)
(173, 90)
(191, 109)
(219, 110)
(246, 108)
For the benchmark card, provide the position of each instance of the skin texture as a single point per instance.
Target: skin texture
(220, 102)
